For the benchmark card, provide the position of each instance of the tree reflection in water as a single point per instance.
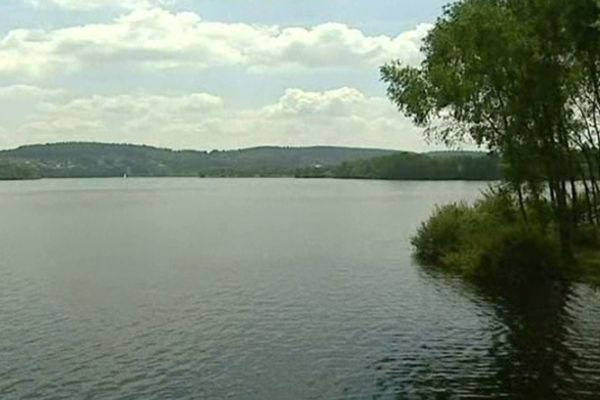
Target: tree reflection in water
(532, 357)
(528, 353)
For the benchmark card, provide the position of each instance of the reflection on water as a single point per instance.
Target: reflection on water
(533, 355)
(534, 349)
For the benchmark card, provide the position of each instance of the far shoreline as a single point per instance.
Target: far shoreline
(242, 177)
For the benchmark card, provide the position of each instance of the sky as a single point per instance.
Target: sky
(208, 74)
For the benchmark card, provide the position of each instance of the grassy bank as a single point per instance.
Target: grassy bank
(495, 239)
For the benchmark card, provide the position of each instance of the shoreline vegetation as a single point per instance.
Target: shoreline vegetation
(488, 242)
(522, 79)
(445, 166)
(11, 170)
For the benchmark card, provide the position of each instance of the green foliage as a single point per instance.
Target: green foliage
(441, 235)
(15, 170)
(410, 166)
(487, 240)
(522, 78)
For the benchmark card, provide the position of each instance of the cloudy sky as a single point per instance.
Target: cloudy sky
(207, 74)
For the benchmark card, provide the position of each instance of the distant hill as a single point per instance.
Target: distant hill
(61, 160)
(111, 160)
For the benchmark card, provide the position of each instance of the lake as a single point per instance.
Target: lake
(265, 289)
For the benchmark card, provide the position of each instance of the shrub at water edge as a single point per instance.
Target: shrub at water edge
(488, 239)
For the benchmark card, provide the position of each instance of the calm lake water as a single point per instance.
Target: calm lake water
(265, 289)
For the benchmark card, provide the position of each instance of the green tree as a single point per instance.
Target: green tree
(507, 74)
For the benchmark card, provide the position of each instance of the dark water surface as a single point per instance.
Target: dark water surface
(265, 289)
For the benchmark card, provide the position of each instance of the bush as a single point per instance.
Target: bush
(439, 235)
(487, 240)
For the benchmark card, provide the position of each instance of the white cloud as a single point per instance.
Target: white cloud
(330, 103)
(27, 92)
(88, 5)
(20, 103)
(156, 38)
(343, 116)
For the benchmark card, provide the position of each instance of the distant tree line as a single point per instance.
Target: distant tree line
(12, 170)
(412, 166)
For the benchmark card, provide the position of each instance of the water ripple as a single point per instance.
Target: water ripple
(306, 292)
